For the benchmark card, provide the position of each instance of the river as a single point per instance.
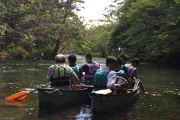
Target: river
(161, 102)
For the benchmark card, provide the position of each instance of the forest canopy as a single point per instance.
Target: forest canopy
(147, 29)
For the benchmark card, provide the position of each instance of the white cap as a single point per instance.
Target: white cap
(60, 57)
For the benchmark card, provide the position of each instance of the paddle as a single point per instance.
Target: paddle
(21, 95)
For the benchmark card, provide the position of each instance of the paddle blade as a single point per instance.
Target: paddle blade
(18, 96)
(16, 102)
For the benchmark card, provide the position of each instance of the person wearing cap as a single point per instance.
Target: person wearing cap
(60, 74)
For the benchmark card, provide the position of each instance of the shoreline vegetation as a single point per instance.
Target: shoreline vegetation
(33, 30)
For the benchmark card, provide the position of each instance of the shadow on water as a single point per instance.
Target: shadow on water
(66, 112)
(123, 113)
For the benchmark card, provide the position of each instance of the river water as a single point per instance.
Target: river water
(161, 102)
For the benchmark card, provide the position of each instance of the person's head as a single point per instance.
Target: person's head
(125, 58)
(135, 62)
(60, 58)
(119, 63)
(88, 57)
(72, 59)
(111, 62)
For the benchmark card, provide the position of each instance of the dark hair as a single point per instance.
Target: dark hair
(111, 59)
(135, 60)
(119, 59)
(88, 55)
(124, 56)
(72, 58)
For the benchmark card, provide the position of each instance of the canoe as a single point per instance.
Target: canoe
(104, 103)
(49, 97)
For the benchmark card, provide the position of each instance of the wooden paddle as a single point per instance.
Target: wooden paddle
(21, 95)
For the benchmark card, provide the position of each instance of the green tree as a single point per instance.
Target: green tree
(35, 25)
(149, 29)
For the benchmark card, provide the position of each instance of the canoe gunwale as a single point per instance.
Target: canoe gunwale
(118, 95)
(53, 89)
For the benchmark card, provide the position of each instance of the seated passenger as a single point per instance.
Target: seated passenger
(120, 74)
(72, 63)
(125, 58)
(60, 74)
(133, 73)
(88, 68)
(106, 77)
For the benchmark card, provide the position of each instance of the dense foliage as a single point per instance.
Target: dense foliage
(30, 28)
(149, 29)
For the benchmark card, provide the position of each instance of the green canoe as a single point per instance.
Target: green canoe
(103, 103)
(49, 97)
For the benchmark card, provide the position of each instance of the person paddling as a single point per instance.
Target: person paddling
(60, 74)
(88, 68)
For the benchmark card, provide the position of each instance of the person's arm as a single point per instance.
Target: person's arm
(111, 79)
(75, 78)
(123, 79)
(141, 86)
(75, 84)
(50, 72)
(136, 75)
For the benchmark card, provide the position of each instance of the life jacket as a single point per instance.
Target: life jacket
(120, 73)
(131, 70)
(100, 80)
(121, 67)
(60, 76)
(76, 70)
(91, 66)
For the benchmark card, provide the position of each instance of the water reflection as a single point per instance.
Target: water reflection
(161, 82)
(17, 102)
(85, 113)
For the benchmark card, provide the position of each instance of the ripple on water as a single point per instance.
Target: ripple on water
(9, 71)
(9, 118)
(169, 91)
(32, 69)
(155, 94)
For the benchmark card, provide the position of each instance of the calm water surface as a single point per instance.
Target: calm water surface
(162, 102)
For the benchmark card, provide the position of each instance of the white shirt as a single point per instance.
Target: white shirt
(111, 77)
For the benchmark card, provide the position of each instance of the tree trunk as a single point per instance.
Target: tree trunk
(56, 48)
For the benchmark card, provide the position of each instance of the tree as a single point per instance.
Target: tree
(35, 25)
(148, 29)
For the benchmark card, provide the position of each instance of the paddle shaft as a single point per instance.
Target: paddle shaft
(21, 95)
